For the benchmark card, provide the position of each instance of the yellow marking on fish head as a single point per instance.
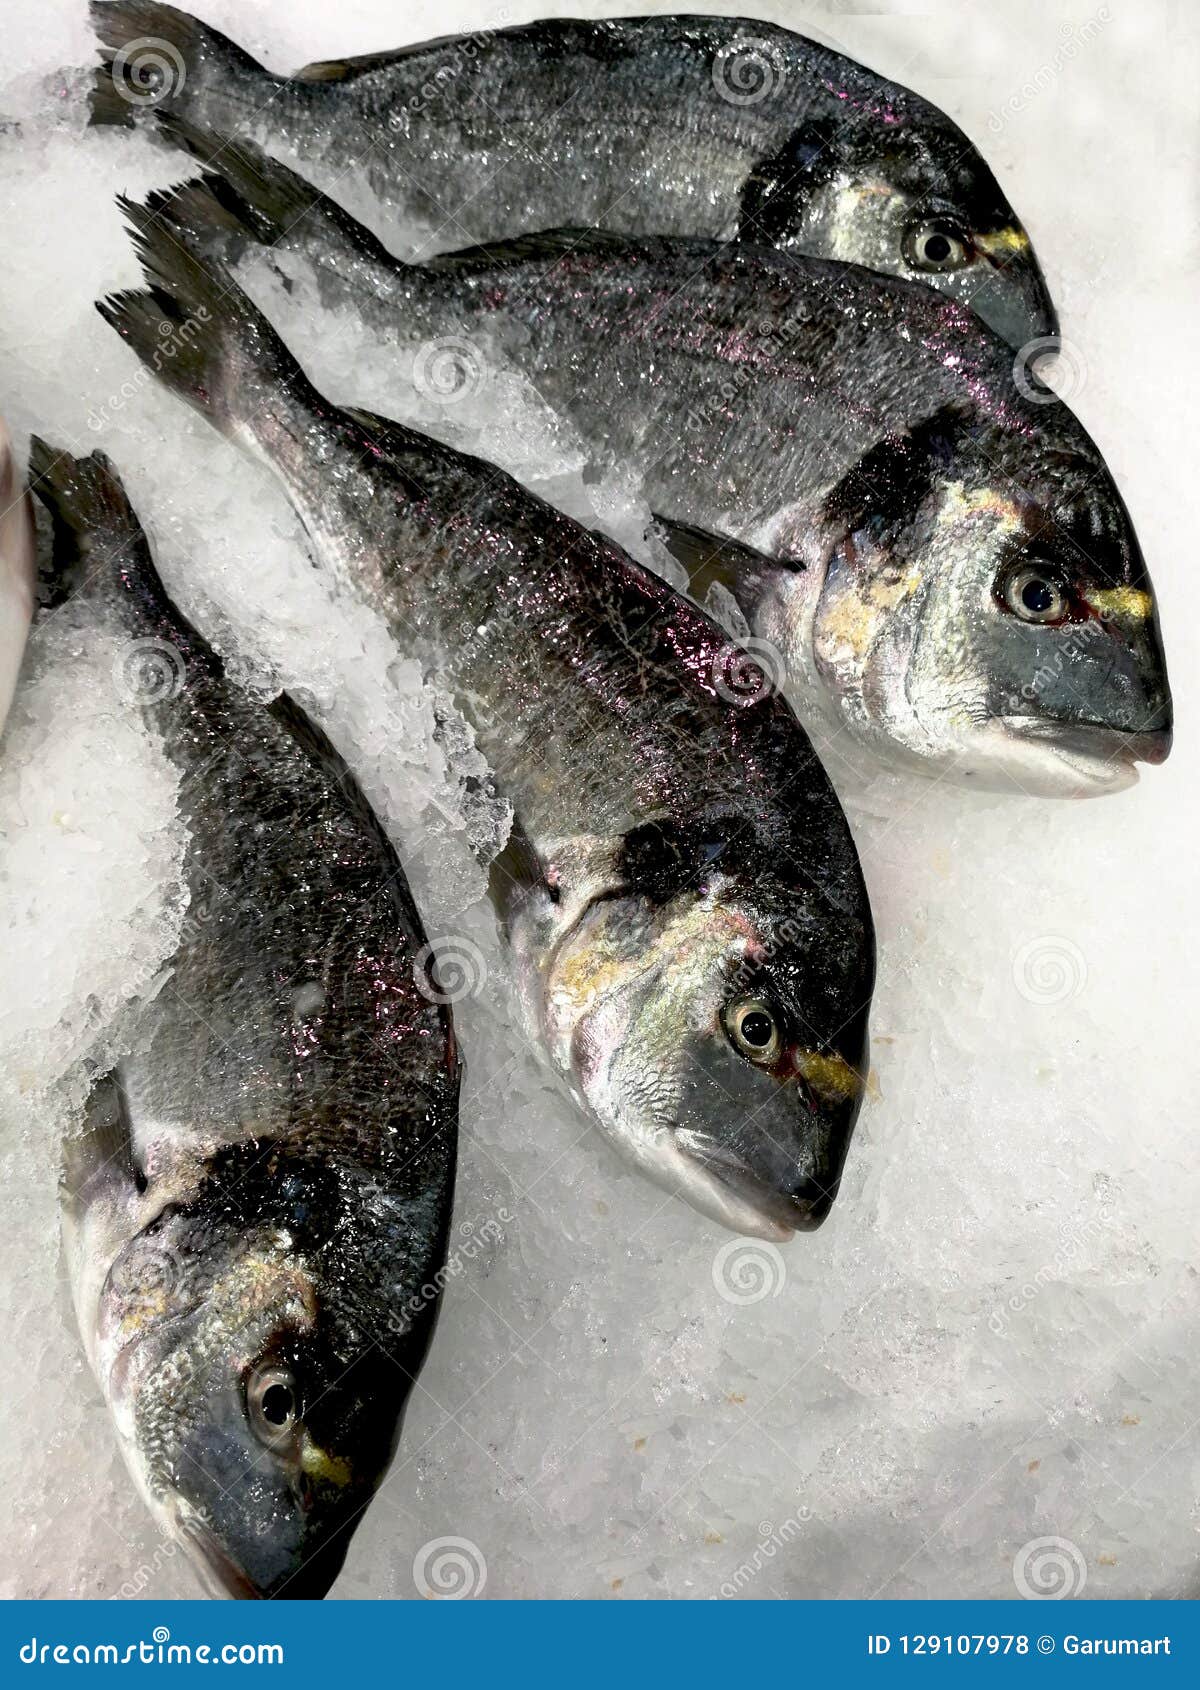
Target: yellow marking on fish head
(829, 1075)
(980, 501)
(1122, 604)
(851, 622)
(1002, 243)
(319, 1464)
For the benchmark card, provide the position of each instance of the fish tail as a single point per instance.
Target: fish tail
(203, 338)
(247, 194)
(154, 56)
(99, 546)
(87, 506)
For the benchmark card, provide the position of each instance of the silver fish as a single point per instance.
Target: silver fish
(256, 1204)
(926, 535)
(17, 572)
(685, 125)
(682, 895)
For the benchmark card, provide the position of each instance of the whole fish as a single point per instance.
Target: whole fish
(256, 1205)
(927, 537)
(667, 125)
(682, 895)
(18, 569)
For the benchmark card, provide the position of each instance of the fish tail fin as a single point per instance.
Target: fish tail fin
(156, 56)
(99, 546)
(246, 192)
(89, 510)
(100, 550)
(204, 339)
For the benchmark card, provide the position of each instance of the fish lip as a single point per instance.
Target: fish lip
(215, 1567)
(788, 1215)
(1095, 747)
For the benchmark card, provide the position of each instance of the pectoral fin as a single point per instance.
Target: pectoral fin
(716, 560)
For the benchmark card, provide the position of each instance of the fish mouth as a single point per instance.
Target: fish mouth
(731, 1192)
(1099, 757)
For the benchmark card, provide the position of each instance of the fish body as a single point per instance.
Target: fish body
(256, 1204)
(690, 125)
(682, 895)
(924, 533)
(18, 569)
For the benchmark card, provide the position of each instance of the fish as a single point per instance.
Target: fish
(18, 570)
(681, 897)
(908, 517)
(256, 1197)
(722, 127)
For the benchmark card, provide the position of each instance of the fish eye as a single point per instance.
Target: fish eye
(1034, 595)
(753, 1030)
(273, 1402)
(936, 246)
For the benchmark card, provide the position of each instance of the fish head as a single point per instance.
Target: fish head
(712, 1017)
(258, 1398)
(986, 610)
(912, 198)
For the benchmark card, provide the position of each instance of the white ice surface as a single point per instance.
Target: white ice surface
(994, 1339)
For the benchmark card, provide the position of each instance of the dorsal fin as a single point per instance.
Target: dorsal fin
(545, 244)
(361, 64)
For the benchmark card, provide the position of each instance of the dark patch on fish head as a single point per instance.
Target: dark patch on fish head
(266, 1398)
(909, 199)
(875, 528)
(720, 1029)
